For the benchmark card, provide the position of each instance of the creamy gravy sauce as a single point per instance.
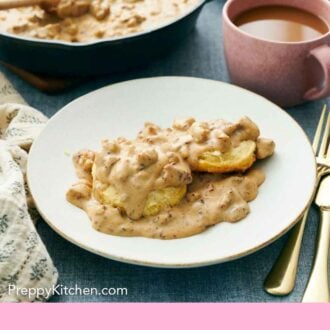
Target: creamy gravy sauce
(109, 18)
(191, 139)
(161, 158)
(135, 169)
(211, 199)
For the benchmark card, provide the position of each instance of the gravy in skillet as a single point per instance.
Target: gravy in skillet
(87, 20)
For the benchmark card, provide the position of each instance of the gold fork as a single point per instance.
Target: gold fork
(317, 289)
(282, 277)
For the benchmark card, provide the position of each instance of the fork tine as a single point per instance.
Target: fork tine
(318, 132)
(328, 153)
(325, 138)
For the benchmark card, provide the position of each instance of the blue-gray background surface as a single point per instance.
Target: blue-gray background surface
(200, 55)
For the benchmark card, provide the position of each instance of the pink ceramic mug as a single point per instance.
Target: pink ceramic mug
(288, 73)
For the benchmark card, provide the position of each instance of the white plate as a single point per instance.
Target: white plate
(121, 110)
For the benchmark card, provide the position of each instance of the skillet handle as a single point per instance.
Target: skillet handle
(45, 84)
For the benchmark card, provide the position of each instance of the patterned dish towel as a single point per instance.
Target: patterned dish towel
(24, 260)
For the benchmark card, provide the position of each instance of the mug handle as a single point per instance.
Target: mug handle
(322, 55)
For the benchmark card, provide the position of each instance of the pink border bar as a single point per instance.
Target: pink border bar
(165, 316)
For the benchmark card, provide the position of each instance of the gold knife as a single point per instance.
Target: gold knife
(317, 289)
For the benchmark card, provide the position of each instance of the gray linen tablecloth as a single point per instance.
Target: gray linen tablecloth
(200, 55)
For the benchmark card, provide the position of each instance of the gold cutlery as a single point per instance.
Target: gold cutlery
(282, 277)
(317, 289)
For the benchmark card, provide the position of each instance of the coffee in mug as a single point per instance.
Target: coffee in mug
(281, 23)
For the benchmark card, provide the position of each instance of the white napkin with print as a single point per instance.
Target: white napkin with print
(24, 260)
